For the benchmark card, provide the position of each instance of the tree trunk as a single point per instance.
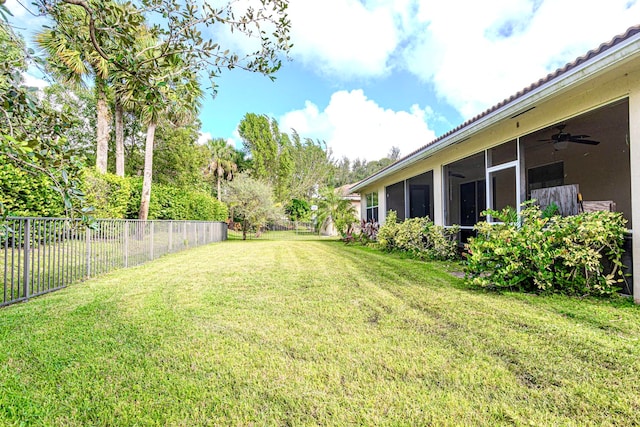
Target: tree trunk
(102, 124)
(119, 139)
(148, 172)
(219, 189)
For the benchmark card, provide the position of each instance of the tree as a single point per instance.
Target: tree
(250, 200)
(312, 167)
(178, 158)
(334, 209)
(79, 105)
(270, 152)
(72, 58)
(31, 133)
(298, 210)
(156, 64)
(221, 164)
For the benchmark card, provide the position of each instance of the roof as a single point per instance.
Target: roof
(346, 193)
(513, 100)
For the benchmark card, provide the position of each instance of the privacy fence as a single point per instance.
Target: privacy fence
(41, 255)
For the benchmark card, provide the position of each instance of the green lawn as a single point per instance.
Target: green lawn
(312, 333)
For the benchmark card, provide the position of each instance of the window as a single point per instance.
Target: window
(372, 206)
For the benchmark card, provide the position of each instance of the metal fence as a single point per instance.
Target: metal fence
(281, 230)
(41, 255)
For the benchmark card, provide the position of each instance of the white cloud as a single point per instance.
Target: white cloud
(498, 47)
(15, 8)
(344, 37)
(31, 81)
(475, 53)
(204, 137)
(357, 127)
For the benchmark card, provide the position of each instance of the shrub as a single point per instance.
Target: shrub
(419, 237)
(107, 193)
(169, 202)
(298, 210)
(26, 194)
(368, 231)
(548, 254)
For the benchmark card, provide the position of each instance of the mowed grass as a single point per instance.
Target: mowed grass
(312, 333)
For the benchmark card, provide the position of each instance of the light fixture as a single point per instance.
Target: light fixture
(560, 145)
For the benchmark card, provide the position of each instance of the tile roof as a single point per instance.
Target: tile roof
(632, 31)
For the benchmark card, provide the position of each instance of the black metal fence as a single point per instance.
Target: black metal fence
(41, 255)
(280, 230)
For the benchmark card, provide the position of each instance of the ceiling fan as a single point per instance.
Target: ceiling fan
(561, 139)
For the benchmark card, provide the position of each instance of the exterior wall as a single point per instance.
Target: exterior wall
(601, 90)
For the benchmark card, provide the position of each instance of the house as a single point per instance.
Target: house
(328, 228)
(577, 127)
(354, 198)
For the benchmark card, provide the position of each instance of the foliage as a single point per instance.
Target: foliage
(106, 193)
(175, 203)
(312, 166)
(27, 194)
(334, 209)
(79, 105)
(221, 162)
(369, 231)
(298, 210)
(548, 254)
(250, 200)
(347, 171)
(178, 159)
(32, 134)
(418, 236)
(550, 210)
(270, 152)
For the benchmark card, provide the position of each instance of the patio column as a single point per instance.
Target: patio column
(438, 196)
(634, 150)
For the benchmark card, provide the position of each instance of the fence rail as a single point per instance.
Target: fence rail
(41, 255)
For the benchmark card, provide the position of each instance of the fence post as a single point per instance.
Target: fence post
(88, 250)
(126, 243)
(27, 253)
(151, 238)
(185, 241)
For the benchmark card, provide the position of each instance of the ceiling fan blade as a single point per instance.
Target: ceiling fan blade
(584, 141)
(580, 136)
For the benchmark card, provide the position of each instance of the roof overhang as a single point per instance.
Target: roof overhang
(613, 56)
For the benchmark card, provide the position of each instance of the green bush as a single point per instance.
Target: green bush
(548, 254)
(25, 194)
(176, 203)
(419, 237)
(107, 193)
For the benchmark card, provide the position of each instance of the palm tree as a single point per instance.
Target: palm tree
(171, 89)
(221, 161)
(72, 58)
(334, 209)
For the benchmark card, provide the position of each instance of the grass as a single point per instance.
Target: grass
(313, 333)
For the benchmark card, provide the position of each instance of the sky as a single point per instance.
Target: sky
(367, 75)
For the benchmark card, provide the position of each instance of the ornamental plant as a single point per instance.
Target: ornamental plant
(544, 254)
(419, 237)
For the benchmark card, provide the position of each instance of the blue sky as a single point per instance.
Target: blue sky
(367, 75)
